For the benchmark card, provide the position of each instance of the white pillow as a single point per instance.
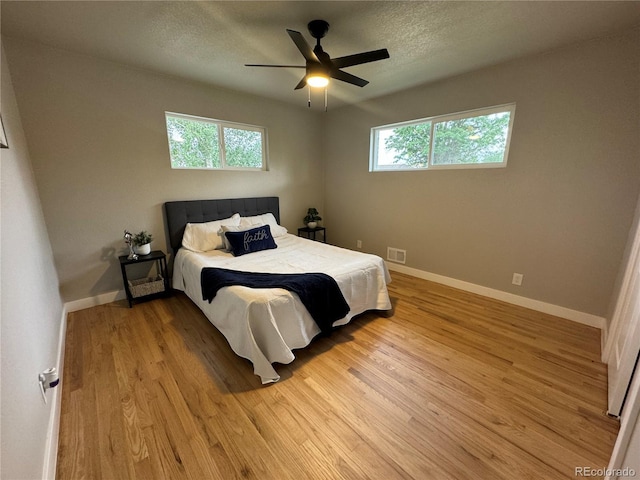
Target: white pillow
(265, 219)
(203, 237)
(235, 228)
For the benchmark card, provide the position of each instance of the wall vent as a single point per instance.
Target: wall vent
(396, 255)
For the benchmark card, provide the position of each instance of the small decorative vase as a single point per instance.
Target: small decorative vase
(312, 224)
(143, 249)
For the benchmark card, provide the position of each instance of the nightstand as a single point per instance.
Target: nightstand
(311, 232)
(146, 288)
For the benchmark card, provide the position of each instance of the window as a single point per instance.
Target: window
(473, 139)
(203, 143)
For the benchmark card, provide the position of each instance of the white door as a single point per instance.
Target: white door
(623, 345)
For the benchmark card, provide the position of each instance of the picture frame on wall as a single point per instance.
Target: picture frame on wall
(3, 136)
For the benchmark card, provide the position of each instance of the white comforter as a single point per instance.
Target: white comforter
(265, 325)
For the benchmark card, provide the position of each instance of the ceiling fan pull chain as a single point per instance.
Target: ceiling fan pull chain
(325, 98)
(309, 101)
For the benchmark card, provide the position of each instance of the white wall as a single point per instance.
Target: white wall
(559, 213)
(31, 306)
(98, 143)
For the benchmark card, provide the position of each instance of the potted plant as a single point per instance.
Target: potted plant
(312, 217)
(142, 242)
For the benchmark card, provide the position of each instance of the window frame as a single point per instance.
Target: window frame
(478, 112)
(221, 125)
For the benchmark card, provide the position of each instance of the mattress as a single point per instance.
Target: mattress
(266, 325)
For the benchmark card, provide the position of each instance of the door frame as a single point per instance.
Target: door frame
(628, 420)
(623, 305)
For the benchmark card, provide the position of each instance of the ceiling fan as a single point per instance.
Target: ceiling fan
(319, 65)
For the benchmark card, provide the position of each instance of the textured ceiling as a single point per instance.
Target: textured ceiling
(211, 41)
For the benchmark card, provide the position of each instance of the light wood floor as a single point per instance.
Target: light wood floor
(452, 386)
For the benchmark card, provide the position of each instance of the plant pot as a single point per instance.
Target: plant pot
(312, 224)
(143, 249)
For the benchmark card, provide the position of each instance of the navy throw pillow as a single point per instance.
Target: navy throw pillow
(252, 240)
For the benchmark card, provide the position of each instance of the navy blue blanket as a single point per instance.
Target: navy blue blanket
(318, 292)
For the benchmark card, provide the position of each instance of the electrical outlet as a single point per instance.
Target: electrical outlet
(517, 279)
(358, 243)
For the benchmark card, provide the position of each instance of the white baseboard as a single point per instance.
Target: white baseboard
(51, 446)
(544, 307)
(569, 314)
(89, 302)
(51, 450)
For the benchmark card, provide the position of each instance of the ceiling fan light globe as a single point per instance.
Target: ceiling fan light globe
(318, 81)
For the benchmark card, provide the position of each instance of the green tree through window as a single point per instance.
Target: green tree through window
(201, 143)
(478, 138)
(410, 145)
(243, 147)
(193, 144)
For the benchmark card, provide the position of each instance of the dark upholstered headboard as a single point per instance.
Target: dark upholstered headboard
(198, 211)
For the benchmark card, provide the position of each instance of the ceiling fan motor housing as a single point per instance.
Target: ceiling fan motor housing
(318, 62)
(318, 28)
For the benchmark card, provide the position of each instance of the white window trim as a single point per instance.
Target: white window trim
(221, 124)
(507, 107)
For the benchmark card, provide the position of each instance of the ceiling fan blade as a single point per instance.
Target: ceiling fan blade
(347, 77)
(303, 46)
(359, 58)
(273, 66)
(302, 83)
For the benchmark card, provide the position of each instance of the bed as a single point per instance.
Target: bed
(265, 325)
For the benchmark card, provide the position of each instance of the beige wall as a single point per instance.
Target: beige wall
(31, 305)
(98, 144)
(559, 213)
